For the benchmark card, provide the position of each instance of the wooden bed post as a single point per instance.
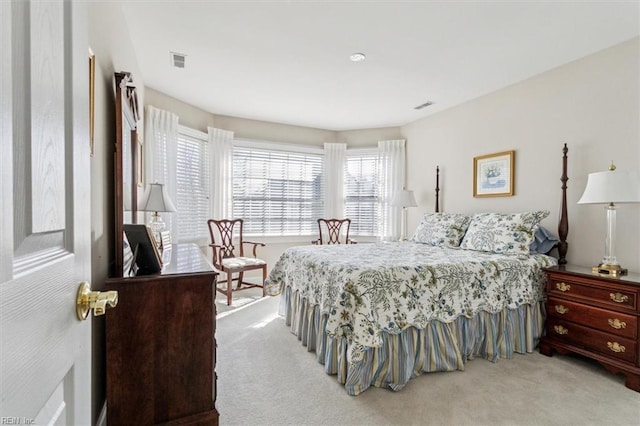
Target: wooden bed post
(437, 188)
(563, 224)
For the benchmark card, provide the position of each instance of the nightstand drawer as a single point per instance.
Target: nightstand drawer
(588, 338)
(605, 320)
(600, 295)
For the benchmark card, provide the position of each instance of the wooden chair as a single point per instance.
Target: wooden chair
(330, 232)
(230, 261)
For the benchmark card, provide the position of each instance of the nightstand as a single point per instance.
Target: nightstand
(594, 316)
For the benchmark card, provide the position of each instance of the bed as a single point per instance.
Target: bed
(381, 314)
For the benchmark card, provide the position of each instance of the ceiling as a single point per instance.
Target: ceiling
(288, 61)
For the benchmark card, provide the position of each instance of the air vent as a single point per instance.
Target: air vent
(424, 105)
(177, 59)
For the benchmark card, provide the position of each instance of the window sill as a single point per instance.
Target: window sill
(300, 239)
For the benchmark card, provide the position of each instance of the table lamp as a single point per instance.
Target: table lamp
(609, 188)
(156, 200)
(404, 199)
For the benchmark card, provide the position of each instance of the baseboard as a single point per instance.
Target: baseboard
(102, 418)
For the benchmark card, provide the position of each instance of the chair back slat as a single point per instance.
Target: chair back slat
(334, 231)
(223, 233)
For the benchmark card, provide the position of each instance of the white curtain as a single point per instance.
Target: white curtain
(392, 170)
(161, 146)
(221, 149)
(334, 160)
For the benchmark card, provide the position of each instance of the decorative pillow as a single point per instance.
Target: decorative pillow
(502, 232)
(543, 241)
(441, 229)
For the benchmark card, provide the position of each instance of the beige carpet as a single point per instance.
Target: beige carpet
(265, 377)
(240, 299)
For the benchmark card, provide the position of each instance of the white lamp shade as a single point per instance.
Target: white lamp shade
(156, 199)
(612, 187)
(404, 198)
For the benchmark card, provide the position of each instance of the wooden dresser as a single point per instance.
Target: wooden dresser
(594, 316)
(161, 344)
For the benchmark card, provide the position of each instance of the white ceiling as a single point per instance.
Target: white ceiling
(288, 61)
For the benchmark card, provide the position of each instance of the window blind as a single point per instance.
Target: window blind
(192, 185)
(361, 191)
(277, 192)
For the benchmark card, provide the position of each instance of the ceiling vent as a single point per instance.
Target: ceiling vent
(177, 59)
(424, 105)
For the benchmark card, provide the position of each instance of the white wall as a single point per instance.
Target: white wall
(592, 104)
(198, 119)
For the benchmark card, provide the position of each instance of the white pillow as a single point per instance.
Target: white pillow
(441, 229)
(505, 233)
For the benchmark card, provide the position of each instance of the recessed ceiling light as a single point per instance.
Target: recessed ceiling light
(357, 57)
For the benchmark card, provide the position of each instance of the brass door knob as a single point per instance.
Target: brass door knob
(96, 300)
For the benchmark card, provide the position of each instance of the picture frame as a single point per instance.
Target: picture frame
(92, 100)
(493, 175)
(146, 256)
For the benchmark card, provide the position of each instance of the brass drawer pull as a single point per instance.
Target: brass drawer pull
(619, 297)
(616, 347)
(561, 309)
(560, 329)
(617, 324)
(563, 287)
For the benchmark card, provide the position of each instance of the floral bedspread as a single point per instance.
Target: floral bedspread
(368, 289)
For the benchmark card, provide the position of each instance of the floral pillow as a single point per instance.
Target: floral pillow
(505, 233)
(441, 229)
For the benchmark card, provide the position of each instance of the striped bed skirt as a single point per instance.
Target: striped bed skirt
(401, 357)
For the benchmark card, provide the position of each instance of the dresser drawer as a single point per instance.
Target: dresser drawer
(605, 320)
(613, 346)
(595, 294)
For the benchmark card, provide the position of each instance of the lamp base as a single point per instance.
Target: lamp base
(157, 225)
(609, 270)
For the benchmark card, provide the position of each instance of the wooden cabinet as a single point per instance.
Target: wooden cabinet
(160, 343)
(596, 317)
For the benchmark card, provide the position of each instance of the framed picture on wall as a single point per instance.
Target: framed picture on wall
(493, 174)
(92, 99)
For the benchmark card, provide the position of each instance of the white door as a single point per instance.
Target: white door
(44, 225)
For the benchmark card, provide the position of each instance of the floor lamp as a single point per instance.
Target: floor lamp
(404, 199)
(610, 188)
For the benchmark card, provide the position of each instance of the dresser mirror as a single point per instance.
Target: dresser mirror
(125, 163)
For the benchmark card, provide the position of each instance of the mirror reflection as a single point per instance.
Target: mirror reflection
(125, 164)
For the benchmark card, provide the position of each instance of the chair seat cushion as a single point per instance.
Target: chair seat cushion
(241, 262)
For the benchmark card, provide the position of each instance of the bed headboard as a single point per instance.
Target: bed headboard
(563, 223)
(437, 189)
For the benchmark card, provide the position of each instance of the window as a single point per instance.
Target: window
(362, 199)
(192, 184)
(277, 191)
